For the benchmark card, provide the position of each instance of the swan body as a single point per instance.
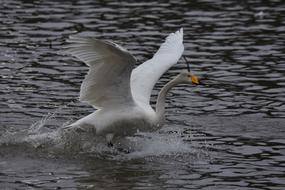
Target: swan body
(120, 93)
(121, 121)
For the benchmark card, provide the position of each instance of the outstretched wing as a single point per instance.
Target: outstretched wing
(108, 80)
(145, 76)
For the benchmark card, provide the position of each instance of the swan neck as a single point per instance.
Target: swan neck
(160, 104)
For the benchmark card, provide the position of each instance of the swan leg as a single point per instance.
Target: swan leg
(123, 150)
(109, 138)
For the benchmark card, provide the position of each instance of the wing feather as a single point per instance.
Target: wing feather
(108, 80)
(145, 76)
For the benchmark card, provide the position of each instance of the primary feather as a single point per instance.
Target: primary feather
(145, 76)
(108, 80)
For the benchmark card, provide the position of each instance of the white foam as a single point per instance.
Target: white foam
(166, 142)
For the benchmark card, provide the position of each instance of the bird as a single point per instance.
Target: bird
(121, 93)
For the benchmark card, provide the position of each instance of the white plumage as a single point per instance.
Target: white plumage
(145, 76)
(120, 93)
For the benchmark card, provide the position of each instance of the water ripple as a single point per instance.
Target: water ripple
(236, 47)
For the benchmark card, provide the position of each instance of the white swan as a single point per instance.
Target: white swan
(120, 93)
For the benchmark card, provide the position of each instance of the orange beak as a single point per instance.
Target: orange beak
(195, 80)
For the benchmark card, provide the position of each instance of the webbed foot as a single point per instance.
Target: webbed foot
(110, 144)
(109, 138)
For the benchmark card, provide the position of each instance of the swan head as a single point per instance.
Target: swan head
(188, 77)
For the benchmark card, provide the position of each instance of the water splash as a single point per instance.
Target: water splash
(158, 144)
(61, 141)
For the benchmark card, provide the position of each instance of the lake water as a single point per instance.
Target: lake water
(226, 134)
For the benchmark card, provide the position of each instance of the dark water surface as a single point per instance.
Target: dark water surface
(227, 134)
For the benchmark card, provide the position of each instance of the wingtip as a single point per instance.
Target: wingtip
(71, 39)
(79, 39)
(181, 31)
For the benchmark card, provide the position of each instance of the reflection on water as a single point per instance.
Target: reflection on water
(226, 134)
